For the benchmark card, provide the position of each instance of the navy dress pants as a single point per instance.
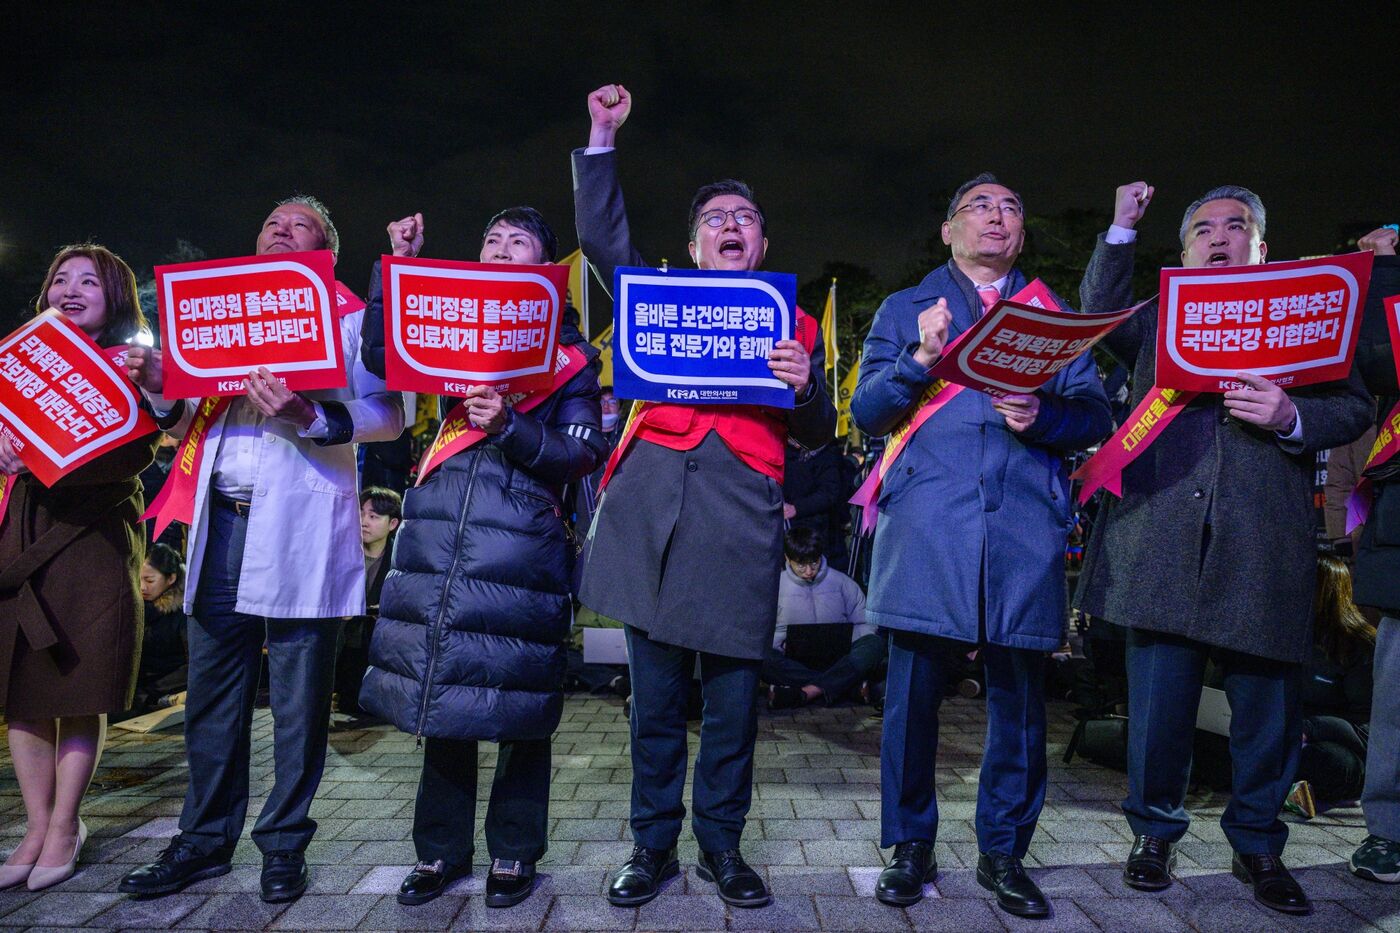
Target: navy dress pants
(225, 659)
(1011, 789)
(723, 789)
(1266, 730)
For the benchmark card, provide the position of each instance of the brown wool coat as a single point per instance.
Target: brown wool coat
(70, 602)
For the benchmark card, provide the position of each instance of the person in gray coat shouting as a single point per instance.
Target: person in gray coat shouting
(1210, 552)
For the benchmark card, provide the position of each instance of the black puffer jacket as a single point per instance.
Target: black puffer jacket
(1377, 572)
(475, 611)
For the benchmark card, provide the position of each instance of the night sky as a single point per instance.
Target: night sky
(137, 126)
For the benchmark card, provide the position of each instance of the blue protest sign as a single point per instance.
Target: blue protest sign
(695, 336)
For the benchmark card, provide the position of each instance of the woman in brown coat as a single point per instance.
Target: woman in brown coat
(70, 606)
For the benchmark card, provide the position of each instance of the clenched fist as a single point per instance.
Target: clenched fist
(608, 108)
(933, 333)
(406, 236)
(1130, 203)
(1381, 240)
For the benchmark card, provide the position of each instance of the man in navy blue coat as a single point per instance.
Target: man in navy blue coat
(969, 550)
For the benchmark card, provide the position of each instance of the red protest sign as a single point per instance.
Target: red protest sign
(1392, 320)
(451, 325)
(63, 399)
(346, 301)
(1293, 323)
(1019, 345)
(223, 318)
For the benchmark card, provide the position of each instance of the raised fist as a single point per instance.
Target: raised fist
(1130, 203)
(608, 108)
(406, 236)
(933, 333)
(1381, 240)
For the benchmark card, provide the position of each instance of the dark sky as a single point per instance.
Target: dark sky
(139, 123)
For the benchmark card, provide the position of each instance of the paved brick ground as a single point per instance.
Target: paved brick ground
(813, 831)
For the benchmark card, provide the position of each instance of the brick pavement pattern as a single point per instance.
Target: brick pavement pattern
(813, 832)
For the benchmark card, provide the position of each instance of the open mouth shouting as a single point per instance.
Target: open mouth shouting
(1218, 258)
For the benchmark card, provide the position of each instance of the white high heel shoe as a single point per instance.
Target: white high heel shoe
(40, 878)
(12, 876)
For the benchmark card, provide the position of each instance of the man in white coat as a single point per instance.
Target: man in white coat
(273, 558)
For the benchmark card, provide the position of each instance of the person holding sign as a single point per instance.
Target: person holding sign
(969, 549)
(264, 476)
(473, 619)
(70, 602)
(1378, 568)
(1210, 552)
(686, 547)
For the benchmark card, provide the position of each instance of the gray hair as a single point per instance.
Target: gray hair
(1227, 193)
(323, 212)
(986, 178)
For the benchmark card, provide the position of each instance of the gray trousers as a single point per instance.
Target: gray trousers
(1380, 800)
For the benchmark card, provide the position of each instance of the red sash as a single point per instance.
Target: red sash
(1151, 417)
(457, 433)
(935, 397)
(175, 503)
(1386, 445)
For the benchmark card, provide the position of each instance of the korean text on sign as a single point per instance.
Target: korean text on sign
(1294, 323)
(222, 319)
(62, 400)
(452, 325)
(700, 336)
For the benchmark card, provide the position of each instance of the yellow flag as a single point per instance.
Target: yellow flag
(578, 286)
(604, 344)
(843, 400)
(829, 332)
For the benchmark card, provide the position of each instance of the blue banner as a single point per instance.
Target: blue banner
(699, 337)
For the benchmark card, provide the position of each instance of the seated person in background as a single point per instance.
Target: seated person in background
(381, 510)
(815, 494)
(812, 593)
(1336, 696)
(164, 657)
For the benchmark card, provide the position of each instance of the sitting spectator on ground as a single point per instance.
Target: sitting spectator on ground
(811, 592)
(165, 662)
(1336, 696)
(381, 511)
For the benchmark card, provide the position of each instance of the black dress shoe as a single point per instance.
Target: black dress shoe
(640, 877)
(910, 868)
(284, 876)
(1016, 893)
(1273, 886)
(428, 880)
(509, 882)
(738, 884)
(179, 865)
(1150, 864)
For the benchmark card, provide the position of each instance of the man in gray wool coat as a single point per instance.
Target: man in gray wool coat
(1210, 552)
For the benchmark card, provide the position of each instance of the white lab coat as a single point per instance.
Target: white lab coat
(302, 558)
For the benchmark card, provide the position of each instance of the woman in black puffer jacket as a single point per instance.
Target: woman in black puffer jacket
(473, 617)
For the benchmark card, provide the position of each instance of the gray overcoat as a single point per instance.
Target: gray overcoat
(1214, 536)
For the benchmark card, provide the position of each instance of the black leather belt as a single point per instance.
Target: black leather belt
(237, 506)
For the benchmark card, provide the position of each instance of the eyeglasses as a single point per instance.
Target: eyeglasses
(983, 208)
(744, 217)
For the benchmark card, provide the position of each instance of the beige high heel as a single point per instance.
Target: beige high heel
(14, 875)
(40, 878)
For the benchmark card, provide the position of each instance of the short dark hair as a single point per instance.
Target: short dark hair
(708, 193)
(384, 501)
(802, 546)
(533, 223)
(167, 562)
(986, 178)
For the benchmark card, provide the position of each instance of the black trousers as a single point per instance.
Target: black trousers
(225, 661)
(517, 816)
(1333, 758)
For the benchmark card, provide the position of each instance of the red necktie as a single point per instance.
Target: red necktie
(989, 296)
